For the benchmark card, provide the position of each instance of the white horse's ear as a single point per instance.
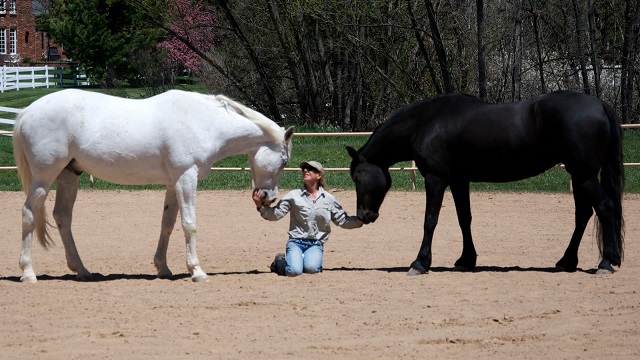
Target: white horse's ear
(288, 134)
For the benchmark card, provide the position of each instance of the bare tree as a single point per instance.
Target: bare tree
(482, 68)
(351, 63)
(632, 17)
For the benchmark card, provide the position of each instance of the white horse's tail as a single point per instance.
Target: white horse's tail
(24, 173)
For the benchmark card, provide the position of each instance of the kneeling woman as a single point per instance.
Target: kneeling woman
(312, 211)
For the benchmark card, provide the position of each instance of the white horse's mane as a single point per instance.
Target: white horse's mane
(274, 131)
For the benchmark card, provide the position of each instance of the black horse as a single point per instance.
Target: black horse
(456, 139)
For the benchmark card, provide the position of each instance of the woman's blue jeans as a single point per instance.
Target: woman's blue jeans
(303, 256)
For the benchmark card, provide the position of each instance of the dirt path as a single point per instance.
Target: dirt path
(362, 306)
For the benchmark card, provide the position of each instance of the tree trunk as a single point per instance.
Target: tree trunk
(516, 70)
(290, 59)
(594, 50)
(538, 40)
(423, 49)
(631, 32)
(482, 69)
(579, 51)
(262, 74)
(311, 85)
(439, 47)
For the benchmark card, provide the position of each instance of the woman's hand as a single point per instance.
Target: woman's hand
(257, 197)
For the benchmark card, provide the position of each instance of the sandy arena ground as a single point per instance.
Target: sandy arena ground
(363, 306)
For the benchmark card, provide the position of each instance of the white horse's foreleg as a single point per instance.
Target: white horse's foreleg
(186, 193)
(32, 208)
(66, 192)
(169, 216)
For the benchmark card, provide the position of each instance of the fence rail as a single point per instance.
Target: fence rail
(16, 77)
(411, 168)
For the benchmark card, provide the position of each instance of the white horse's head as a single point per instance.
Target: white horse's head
(267, 164)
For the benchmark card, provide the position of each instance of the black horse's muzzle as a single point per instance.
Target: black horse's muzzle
(367, 216)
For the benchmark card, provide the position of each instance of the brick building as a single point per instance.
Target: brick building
(20, 39)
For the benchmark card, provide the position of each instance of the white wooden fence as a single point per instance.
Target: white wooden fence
(16, 77)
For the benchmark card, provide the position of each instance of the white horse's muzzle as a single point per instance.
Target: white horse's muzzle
(268, 196)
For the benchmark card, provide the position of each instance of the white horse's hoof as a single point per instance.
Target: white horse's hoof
(200, 278)
(165, 274)
(28, 275)
(28, 279)
(197, 274)
(84, 275)
(413, 272)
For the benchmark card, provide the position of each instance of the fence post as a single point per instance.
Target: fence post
(16, 73)
(413, 175)
(46, 75)
(60, 77)
(3, 78)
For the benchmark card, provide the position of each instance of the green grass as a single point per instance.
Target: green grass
(330, 151)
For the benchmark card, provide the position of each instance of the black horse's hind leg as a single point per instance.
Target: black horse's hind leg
(460, 192)
(603, 207)
(584, 211)
(435, 188)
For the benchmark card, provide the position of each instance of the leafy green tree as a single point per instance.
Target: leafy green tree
(102, 35)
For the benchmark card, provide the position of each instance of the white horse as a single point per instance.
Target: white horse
(172, 139)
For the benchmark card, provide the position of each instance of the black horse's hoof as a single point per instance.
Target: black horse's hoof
(413, 271)
(567, 266)
(605, 268)
(605, 271)
(464, 265)
(466, 262)
(418, 268)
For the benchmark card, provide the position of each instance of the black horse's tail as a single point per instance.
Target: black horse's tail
(612, 180)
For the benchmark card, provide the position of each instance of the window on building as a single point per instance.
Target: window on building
(3, 6)
(13, 44)
(3, 41)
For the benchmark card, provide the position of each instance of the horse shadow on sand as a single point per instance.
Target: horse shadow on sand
(97, 277)
(478, 269)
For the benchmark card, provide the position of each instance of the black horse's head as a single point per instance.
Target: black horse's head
(372, 183)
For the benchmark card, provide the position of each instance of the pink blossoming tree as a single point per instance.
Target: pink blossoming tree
(194, 23)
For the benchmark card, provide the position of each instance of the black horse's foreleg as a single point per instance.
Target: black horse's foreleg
(460, 192)
(584, 211)
(435, 188)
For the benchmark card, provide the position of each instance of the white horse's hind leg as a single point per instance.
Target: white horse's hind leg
(186, 193)
(67, 189)
(32, 208)
(169, 216)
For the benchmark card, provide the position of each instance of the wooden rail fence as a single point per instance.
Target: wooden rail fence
(411, 168)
